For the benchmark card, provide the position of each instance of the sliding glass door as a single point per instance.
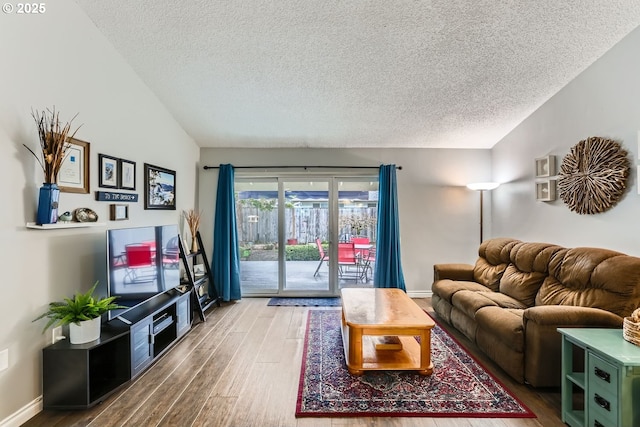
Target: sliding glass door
(257, 222)
(305, 236)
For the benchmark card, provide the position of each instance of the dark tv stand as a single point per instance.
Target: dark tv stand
(78, 376)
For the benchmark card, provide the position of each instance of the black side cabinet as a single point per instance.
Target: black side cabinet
(78, 376)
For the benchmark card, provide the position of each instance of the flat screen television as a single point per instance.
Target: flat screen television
(142, 262)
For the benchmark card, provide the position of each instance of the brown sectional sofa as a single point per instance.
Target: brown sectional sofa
(517, 294)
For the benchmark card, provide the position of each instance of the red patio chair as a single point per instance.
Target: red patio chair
(347, 258)
(363, 241)
(323, 256)
(140, 263)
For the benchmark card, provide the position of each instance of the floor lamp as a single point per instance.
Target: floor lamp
(482, 187)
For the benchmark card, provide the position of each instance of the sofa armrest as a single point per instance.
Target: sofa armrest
(543, 342)
(453, 272)
(567, 315)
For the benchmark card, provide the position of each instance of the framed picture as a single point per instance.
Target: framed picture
(546, 190)
(74, 171)
(119, 212)
(545, 166)
(159, 188)
(127, 174)
(108, 171)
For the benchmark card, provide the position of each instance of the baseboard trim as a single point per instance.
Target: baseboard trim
(23, 414)
(420, 294)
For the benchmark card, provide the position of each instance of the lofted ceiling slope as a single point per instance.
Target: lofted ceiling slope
(345, 73)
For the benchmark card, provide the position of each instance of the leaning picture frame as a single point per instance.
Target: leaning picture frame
(108, 171)
(73, 176)
(127, 174)
(119, 212)
(159, 188)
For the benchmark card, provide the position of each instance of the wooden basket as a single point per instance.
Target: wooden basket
(631, 331)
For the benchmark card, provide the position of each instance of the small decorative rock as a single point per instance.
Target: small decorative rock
(65, 217)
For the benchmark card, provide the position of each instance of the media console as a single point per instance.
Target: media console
(78, 376)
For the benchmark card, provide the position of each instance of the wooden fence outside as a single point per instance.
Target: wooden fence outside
(304, 224)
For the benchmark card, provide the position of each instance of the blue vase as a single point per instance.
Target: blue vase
(48, 204)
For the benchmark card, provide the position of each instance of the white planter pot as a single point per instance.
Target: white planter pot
(87, 331)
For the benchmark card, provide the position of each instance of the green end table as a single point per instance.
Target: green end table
(606, 391)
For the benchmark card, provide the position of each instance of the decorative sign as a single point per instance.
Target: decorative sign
(112, 196)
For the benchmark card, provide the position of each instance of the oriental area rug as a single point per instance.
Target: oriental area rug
(458, 387)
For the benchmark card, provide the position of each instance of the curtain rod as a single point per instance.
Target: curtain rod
(300, 167)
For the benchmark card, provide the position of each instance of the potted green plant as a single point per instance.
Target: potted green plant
(82, 313)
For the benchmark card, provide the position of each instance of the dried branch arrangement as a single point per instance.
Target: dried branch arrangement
(53, 136)
(593, 176)
(193, 220)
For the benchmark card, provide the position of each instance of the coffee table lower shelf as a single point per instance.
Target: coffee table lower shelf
(408, 358)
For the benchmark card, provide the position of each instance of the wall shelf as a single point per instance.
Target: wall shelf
(60, 225)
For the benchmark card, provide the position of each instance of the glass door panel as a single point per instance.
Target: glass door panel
(357, 223)
(285, 225)
(306, 236)
(257, 218)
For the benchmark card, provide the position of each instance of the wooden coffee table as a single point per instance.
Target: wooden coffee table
(378, 330)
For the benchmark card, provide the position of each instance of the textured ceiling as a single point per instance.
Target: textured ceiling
(354, 73)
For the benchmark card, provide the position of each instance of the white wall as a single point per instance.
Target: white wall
(439, 216)
(60, 58)
(602, 101)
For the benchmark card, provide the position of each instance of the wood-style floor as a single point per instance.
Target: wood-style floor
(241, 368)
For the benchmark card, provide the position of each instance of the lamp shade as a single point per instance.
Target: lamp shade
(483, 186)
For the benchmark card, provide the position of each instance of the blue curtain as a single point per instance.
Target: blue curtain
(225, 265)
(388, 266)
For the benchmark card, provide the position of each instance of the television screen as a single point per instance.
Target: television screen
(142, 263)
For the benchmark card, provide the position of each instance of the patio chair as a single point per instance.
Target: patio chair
(323, 256)
(140, 263)
(367, 265)
(347, 258)
(171, 254)
(364, 243)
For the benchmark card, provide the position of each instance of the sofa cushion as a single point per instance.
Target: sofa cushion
(504, 301)
(529, 267)
(494, 258)
(520, 285)
(505, 323)
(446, 288)
(591, 277)
(470, 301)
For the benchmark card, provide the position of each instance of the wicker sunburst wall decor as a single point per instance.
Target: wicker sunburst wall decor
(593, 176)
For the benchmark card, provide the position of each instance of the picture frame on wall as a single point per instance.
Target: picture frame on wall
(73, 176)
(546, 190)
(108, 171)
(545, 166)
(127, 174)
(119, 212)
(159, 188)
